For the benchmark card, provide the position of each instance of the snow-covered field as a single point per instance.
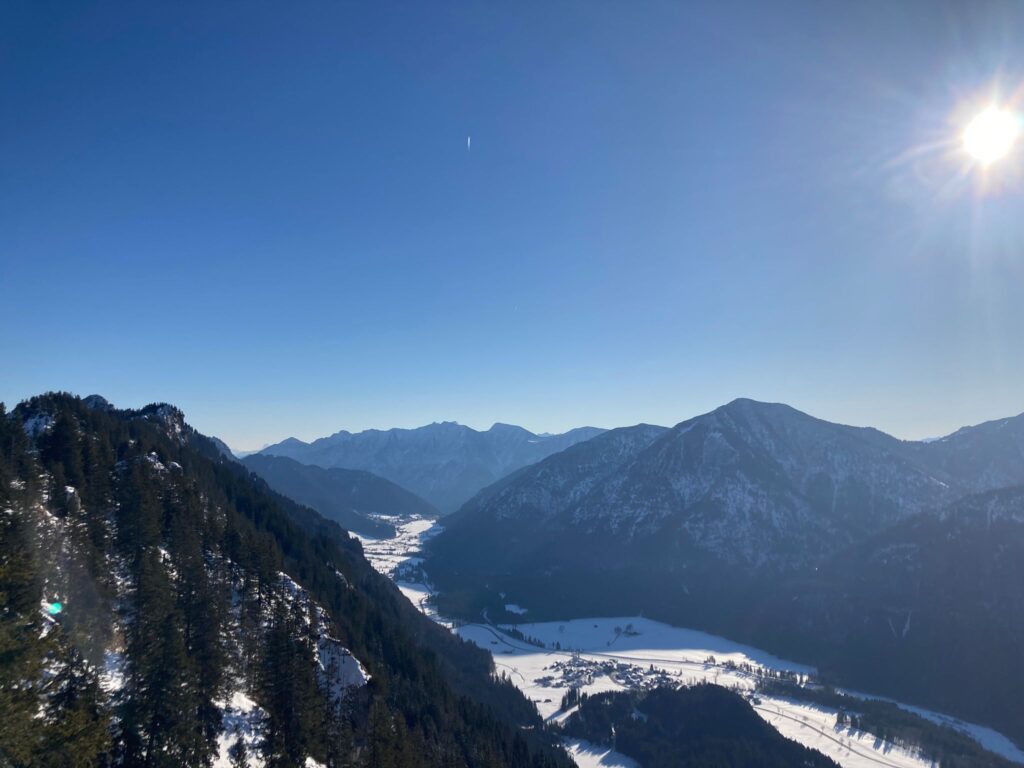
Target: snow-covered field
(620, 653)
(397, 558)
(592, 655)
(387, 554)
(587, 755)
(816, 727)
(600, 659)
(991, 739)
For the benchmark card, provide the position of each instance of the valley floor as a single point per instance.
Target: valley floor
(546, 660)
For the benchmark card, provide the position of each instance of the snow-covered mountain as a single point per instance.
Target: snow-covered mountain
(749, 483)
(762, 483)
(766, 524)
(445, 463)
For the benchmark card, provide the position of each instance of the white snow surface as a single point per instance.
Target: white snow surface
(816, 727)
(587, 755)
(243, 720)
(387, 554)
(990, 739)
(395, 556)
(339, 670)
(112, 676)
(595, 658)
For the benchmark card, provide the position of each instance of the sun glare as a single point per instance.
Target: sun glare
(991, 135)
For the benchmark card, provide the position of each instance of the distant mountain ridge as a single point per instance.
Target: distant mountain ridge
(444, 463)
(979, 458)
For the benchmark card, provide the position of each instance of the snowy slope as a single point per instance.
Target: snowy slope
(755, 484)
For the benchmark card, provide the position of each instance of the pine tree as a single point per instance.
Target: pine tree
(77, 733)
(21, 649)
(60, 447)
(160, 713)
(289, 690)
(238, 753)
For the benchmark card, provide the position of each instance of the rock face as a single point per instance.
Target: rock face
(445, 463)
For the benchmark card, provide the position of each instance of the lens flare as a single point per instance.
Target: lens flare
(991, 135)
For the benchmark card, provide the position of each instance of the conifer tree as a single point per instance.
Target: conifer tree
(77, 731)
(21, 649)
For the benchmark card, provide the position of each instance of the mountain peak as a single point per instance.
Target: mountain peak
(170, 416)
(509, 429)
(98, 403)
(746, 405)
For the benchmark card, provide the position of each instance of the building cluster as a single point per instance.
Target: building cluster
(578, 672)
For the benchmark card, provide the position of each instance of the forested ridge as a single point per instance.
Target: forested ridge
(151, 587)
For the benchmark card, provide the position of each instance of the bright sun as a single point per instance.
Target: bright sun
(991, 135)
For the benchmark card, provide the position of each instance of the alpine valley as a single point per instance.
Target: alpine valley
(403, 319)
(168, 604)
(893, 566)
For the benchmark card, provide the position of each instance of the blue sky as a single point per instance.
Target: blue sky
(267, 213)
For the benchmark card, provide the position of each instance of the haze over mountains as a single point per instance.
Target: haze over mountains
(445, 463)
